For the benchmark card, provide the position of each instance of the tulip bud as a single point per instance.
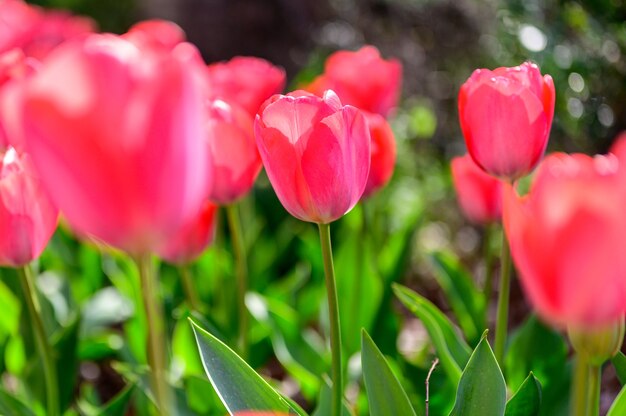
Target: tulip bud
(597, 344)
(506, 115)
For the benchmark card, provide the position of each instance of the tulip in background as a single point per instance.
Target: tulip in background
(479, 194)
(245, 81)
(37, 31)
(157, 33)
(506, 115)
(362, 79)
(116, 130)
(28, 219)
(567, 239)
(232, 151)
(316, 153)
(383, 153)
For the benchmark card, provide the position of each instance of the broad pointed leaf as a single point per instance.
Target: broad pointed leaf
(238, 385)
(527, 400)
(481, 390)
(384, 392)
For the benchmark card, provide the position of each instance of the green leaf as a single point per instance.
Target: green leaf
(118, 405)
(466, 300)
(237, 384)
(384, 392)
(619, 362)
(527, 400)
(10, 405)
(618, 408)
(452, 350)
(481, 390)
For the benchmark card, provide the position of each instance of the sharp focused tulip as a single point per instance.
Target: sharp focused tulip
(192, 238)
(245, 81)
(362, 79)
(316, 153)
(117, 133)
(479, 194)
(567, 239)
(27, 216)
(383, 157)
(506, 115)
(233, 152)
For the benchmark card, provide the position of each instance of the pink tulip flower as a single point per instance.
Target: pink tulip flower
(157, 33)
(244, 81)
(233, 152)
(38, 31)
(479, 194)
(383, 157)
(567, 239)
(28, 218)
(192, 238)
(117, 134)
(362, 79)
(316, 153)
(506, 115)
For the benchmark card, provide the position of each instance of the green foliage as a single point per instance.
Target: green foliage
(527, 399)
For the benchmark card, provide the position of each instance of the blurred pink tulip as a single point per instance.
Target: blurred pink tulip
(27, 216)
(38, 31)
(316, 153)
(383, 156)
(117, 133)
(14, 68)
(619, 149)
(245, 81)
(233, 152)
(567, 239)
(506, 115)
(362, 79)
(192, 238)
(479, 194)
(156, 33)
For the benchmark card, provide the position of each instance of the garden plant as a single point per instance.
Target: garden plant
(181, 237)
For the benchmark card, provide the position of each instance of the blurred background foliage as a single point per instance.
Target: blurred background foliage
(440, 43)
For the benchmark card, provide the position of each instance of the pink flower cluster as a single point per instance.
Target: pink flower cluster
(136, 141)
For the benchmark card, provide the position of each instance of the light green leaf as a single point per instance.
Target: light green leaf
(452, 350)
(466, 300)
(324, 402)
(118, 405)
(618, 408)
(384, 392)
(481, 390)
(527, 400)
(238, 385)
(10, 405)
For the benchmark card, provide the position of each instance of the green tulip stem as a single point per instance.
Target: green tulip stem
(333, 316)
(593, 403)
(502, 315)
(579, 395)
(156, 334)
(489, 263)
(44, 348)
(186, 278)
(239, 248)
(360, 258)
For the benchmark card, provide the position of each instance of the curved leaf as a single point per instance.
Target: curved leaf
(452, 350)
(618, 408)
(481, 390)
(237, 384)
(527, 400)
(619, 362)
(384, 392)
